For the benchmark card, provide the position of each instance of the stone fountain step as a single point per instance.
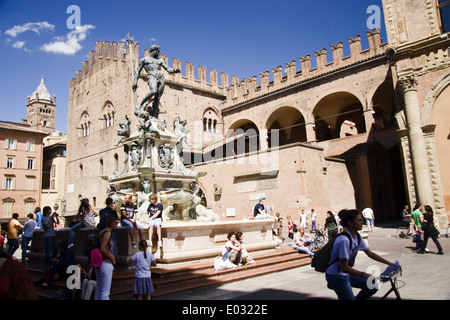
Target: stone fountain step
(170, 281)
(185, 277)
(161, 272)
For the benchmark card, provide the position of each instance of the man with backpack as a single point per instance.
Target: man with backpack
(338, 257)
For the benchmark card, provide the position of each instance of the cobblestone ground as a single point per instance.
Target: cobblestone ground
(424, 277)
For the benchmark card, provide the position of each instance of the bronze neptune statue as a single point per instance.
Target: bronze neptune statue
(152, 64)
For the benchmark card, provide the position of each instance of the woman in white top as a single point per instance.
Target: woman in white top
(341, 275)
(230, 245)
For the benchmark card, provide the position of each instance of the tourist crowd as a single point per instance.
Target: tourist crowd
(101, 246)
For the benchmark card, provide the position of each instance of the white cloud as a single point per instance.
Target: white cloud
(18, 44)
(36, 27)
(69, 44)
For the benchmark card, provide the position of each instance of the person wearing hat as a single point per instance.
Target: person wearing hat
(259, 211)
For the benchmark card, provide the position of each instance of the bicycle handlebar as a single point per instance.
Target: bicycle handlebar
(390, 272)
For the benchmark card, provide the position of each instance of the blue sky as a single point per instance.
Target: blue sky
(238, 37)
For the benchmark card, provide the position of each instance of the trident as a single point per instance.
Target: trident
(129, 39)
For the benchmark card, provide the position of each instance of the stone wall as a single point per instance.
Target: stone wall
(292, 178)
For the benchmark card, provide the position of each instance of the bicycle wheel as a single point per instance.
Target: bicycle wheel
(318, 243)
(313, 247)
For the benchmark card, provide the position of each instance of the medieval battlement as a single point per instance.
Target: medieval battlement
(201, 83)
(105, 54)
(247, 89)
(239, 90)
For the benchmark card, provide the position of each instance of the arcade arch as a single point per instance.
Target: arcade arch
(290, 124)
(437, 114)
(383, 102)
(338, 115)
(246, 136)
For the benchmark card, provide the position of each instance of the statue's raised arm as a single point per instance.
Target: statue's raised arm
(169, 69)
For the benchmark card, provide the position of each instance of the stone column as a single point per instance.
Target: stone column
(310, 132)
(263, 140)
(419, 160)
(368, 119)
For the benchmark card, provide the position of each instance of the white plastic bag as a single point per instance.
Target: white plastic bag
(220, 264)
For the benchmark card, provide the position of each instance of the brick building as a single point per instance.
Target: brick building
(370, 128)
(21, 172)
(34, 158)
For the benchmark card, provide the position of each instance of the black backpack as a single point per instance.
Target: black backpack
(321, 259)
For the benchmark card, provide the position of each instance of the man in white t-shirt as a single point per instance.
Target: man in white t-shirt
(303, 218)
(370, 217)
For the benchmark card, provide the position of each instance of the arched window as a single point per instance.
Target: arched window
(108, 114)
(210, 121)
(85, 124)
